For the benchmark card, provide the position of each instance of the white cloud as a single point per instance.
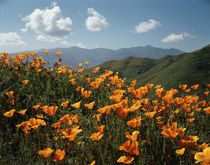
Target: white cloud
(49, 24)
(80, 45)
(69, 44)
(96, 21)
(11, 38)
(176, 37)
(146, 26)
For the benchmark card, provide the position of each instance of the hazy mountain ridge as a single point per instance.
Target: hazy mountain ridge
(190, 68)
(97, 56)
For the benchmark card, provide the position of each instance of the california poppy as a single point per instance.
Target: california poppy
(76, 105)
(96, 136)
(203, 157)
(58, 53)
(180, 151)
(45, 152)
(9, 113)
(22, 112)
(90, 105)
(59, 155)
(125, 159)
(25, 82)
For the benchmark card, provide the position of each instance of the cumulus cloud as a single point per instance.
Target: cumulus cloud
(96, 21)
(49, 24)
(79, 44)
(11, 38)
(146, 26)
(176, 37)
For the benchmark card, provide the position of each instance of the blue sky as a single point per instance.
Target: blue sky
(36, 24)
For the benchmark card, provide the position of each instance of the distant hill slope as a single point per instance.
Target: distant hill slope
(75, 55)
(169, 71)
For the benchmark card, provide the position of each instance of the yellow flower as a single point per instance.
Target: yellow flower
(203, 157)
(22, 112)
(9, 113)
(180, 151)
(125, 159)
(76, 105)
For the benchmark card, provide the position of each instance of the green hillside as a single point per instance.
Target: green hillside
(190, 68)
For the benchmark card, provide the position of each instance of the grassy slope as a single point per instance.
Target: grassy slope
(190, 68)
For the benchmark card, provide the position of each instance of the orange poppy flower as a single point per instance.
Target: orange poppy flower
(203, 146)
(203, 157)
(132, 137)
(10, 94)
(66, 119)
(90, 105)
(106, 109)
(96, 136)
(25, 82)
(56, 125)
(130, 147)
(22, 112)
(206, 93)
(133, 83)
(40, 116)
(59, 155)
(65, 104)
(71, 133)
(96, 69)
(50, 110)
(95, 84)
(125, 159)
(182, 87)
(122, 112)
(75, 119)
(172, 131)
(72, 81)
(134, 122)
(168, 98)
(116, 98)
(88, 79)
(195, 87)
(188, 141)
(58, 53)
(97, 117)
(9, 113)
(86, 63)
(190, 120)
(45, 152)
(180, 151)
(150, 114)
(100, 128)
(79, 65)
(76, 105)
(46, 51)
(187, 90)
(93, 163)
(207, 110)
(86, 93)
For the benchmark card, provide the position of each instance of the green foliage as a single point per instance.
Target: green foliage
(23, 136)
(170, 71)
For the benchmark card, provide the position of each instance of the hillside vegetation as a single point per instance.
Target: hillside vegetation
(72, 115)
(170, 71)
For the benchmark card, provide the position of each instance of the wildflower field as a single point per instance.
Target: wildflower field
(73, 115)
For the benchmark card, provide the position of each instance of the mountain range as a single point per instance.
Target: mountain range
(74, 55)
(169, 71)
